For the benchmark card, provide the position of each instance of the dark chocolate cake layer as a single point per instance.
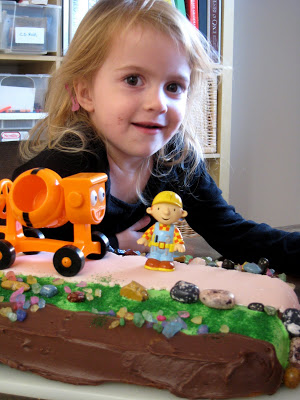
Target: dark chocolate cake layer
(78, 348)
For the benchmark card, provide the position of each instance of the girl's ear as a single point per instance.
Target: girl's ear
(83, 94)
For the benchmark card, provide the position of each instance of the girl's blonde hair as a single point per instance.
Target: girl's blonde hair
(88, 51)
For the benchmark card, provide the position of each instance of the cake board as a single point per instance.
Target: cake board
(27, 384)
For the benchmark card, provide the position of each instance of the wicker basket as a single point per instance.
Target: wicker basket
(205, 120)
(185, 229)
(205, 115)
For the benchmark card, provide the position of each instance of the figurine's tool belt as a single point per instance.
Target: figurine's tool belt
(162, 245)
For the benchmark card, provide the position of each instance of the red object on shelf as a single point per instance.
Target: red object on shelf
(192, 12)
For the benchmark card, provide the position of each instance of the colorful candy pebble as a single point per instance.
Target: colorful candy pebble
(82, 284)
(15, 294)
(197, 320)
(5, 310)
(183, 314)
(16, 306)
(36, 288)
(42, 303)
(34, 308)
(58, 281)
(138, 320)
(21, 315)
(11, 276)
(121, 313)
(224, 329)
(147, 315)
(48, 291)
(129, 316)
(171, 328)
(158, 327)
(12, 316)
(34, 300)
(114, 324)
(31, 280)
(26, 305)
(291, 377)
(202, 329)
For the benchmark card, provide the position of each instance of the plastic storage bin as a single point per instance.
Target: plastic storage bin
(22, 93)
(12, 128)
(22, 100)
(28, 29)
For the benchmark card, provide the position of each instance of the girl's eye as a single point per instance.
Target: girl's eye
(133, 80)
(175, 88)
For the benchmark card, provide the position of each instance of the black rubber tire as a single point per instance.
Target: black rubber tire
(75, 256)
(7, 254)
(104, 245)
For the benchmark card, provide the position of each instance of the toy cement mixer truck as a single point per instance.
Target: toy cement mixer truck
(40, 198)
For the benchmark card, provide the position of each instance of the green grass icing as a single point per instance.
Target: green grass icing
(240, 319)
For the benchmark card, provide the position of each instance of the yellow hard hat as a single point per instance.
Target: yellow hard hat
(167, 197)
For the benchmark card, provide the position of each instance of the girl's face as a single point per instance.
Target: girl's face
(138, 97)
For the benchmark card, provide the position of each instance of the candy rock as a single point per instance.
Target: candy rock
(134, 291)
(228, 264)
(294, 356)
(76, 297)
(48, 291)
(291, 321)
(185, 292)
(252, 268)
(218, 298)
(14, 285)
(171, 328)
(256, 307)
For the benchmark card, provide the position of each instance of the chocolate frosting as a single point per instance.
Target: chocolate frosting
(78, 348)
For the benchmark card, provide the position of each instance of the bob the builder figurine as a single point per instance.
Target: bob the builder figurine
(164, 238)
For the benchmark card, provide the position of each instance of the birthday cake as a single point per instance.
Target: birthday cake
(84, 316)
(201, 331)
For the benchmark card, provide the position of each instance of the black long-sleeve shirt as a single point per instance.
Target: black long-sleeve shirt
(208, 213)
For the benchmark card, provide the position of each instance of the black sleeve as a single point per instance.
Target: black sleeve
(65, 164)
(234, 237)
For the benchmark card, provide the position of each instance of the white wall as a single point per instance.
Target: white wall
(265, 142)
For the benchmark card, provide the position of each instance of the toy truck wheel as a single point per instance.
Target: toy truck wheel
(68, 260)
(33, 233)
(7, 254)
(104, 245)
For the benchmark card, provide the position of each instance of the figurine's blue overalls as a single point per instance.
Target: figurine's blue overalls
(162, 243)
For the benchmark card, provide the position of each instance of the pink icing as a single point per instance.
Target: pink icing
(115, 269)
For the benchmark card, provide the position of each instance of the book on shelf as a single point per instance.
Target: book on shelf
(214, 11)
(202, 11)
(192, 12)
(180, 5)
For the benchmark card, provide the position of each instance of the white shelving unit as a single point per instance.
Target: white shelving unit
(219, 162)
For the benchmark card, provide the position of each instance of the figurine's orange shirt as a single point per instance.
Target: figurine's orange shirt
(177, 235)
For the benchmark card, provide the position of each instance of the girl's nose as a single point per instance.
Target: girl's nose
(156, 100)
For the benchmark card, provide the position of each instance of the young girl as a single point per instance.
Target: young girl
(121, 104)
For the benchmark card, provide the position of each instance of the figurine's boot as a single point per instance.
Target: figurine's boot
(166, 266)
(152, 263)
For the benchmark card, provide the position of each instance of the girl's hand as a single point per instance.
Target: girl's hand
(128, 238)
